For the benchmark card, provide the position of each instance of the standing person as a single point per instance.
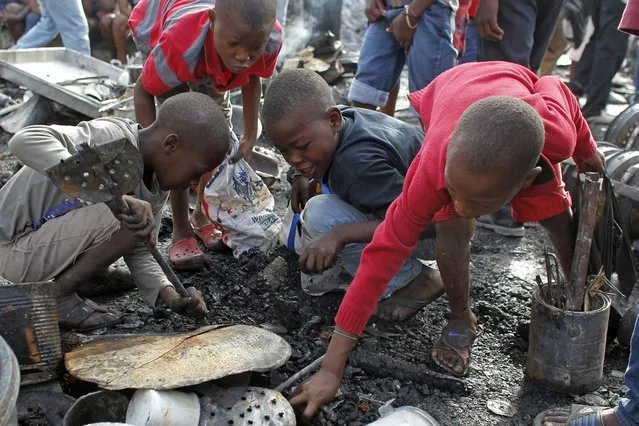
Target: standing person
(601, 60)
(66, 18)
(517, 31)
(418, 33)
(214, 47)
(114, 28)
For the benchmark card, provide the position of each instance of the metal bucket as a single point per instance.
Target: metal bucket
(29, 324)
(566, 349)
(9, 385)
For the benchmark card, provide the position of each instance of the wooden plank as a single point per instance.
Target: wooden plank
(589, 200)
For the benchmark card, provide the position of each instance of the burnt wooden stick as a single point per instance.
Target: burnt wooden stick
(379, 365)
(589, 202)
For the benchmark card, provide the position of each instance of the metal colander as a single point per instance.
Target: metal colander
(246, 406)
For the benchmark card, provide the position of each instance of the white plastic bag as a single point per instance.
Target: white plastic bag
(236, 198)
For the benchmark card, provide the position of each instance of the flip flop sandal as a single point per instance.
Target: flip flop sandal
(407, 302)
(73, 319)
(456, 338)
(185, 255)
(210, 235)
(582, 415)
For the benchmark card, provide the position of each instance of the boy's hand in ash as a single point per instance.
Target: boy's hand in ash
(321, 253)
(594, 163)
(138, 219)
(192, 306)
(320, 389)
(374, 10)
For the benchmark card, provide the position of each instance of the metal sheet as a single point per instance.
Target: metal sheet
(168, 362)
(42, 69)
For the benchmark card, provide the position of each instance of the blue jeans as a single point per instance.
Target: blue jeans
(30, 21)
(65, 17)
(627, 411)
(324, 212)
(472, 44)
(381, 58)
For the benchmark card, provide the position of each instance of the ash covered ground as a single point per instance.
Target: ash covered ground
(391, 361)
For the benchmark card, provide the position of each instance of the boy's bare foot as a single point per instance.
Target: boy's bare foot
(577, 415)
(451, 351)
(80, 314)
(408, 300)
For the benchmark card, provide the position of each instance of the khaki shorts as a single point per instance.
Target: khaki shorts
(43, 254)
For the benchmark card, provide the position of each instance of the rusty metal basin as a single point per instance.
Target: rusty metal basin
(174, 361)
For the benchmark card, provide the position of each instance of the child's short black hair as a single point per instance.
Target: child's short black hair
(256, 13)
(295, 89)
(498, 133)
(198, 120)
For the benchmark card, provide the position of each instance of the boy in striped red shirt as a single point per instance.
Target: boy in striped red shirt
(210, 46)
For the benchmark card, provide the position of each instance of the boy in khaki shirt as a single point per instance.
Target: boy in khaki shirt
(46, 236)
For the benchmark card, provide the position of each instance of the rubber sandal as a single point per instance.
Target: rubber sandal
(582, 415)
(456, 338)
(185, 255)
(73, 319)
(210, 235)
(407, 302)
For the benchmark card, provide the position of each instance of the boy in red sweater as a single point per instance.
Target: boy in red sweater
(495, 133)
(216, 46)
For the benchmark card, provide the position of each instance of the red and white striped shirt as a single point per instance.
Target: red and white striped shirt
(176, 38)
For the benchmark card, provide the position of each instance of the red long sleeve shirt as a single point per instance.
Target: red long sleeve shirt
(424, 198)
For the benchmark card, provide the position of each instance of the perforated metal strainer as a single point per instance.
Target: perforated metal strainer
(248, 406)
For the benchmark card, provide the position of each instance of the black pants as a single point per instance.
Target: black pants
(602, 57)
(528, 27)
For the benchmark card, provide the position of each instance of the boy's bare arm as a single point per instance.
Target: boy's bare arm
(560, 231)
(251, 94)
(321, 253)
(144, 104)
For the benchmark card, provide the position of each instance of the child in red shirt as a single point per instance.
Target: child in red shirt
(217, 46)
(495, 133)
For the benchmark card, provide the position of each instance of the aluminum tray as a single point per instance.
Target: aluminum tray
(41, 69)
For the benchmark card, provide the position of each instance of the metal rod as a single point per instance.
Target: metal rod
(303, 372)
